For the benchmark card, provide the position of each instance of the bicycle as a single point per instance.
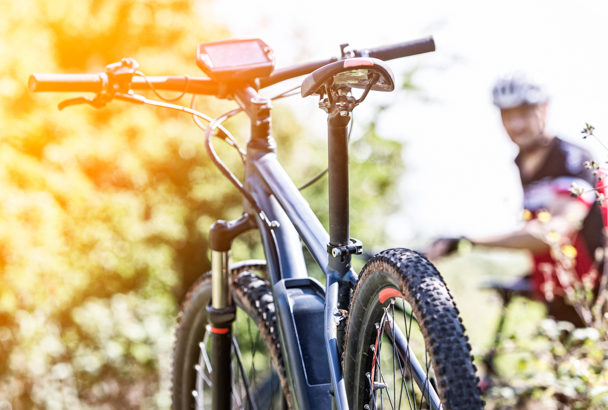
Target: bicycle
(364, 340)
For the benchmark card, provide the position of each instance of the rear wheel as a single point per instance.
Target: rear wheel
(405, 343)
(257, 368)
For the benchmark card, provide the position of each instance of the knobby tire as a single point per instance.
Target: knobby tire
(400, 289)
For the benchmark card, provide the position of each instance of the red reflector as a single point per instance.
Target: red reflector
(355, 62)
(219, 330)
(388, 293)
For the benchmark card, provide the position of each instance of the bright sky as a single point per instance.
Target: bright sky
(460, 177)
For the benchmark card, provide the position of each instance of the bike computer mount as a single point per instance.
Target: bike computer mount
(235, 60)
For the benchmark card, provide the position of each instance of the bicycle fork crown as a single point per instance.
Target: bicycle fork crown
(221, 235)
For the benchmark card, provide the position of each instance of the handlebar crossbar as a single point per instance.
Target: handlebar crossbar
(97, 83)
(294, 71)
(405, 49)
(390, 52)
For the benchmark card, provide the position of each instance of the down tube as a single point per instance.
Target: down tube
(284, 252)
(312, 232)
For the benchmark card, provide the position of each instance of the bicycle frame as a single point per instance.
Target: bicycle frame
(285, 219)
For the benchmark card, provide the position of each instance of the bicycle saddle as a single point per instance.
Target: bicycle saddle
(353, 73)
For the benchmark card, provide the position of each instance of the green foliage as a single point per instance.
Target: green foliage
(376, 164)
(541, 363)
(558, 367)
(104, 213)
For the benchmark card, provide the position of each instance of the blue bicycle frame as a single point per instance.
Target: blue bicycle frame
(307, 314)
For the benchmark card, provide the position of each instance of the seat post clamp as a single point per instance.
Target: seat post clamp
(340, 251)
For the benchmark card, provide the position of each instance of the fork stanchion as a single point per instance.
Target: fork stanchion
(222, 312)
(221, 315)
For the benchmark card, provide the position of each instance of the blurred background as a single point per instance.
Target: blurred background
(104, 213)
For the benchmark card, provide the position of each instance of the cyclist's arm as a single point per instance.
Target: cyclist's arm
(566, 217)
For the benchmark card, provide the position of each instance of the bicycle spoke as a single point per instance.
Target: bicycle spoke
(378, 357)
(402, 371)
(417, 370)
(203, 369)
(393, 338)
(426, 378)
(408, 320)
(420, 377)
(371, 387)
(253, 351)
(410, 393)
(379, 366)
(205, 356)
(402, 376)
(237, 353)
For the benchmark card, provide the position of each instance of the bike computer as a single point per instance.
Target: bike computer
(235, 60)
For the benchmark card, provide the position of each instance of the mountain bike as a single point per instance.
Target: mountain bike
(264, 334)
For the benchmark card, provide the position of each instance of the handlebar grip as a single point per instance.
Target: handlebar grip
(67, 82)
(408, 48)
(95, 83)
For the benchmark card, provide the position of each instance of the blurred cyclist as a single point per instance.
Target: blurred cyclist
(558, 227)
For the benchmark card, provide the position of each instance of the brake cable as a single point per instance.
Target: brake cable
(213, 125)
(287, 93)
(145, 77)
(216, 123)
(322, 173)
(227, 137)
(294, 91)
(350, 130)
(140, 99)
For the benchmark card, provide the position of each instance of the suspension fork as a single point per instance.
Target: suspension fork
(221, 312)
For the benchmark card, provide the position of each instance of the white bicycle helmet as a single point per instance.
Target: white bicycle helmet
(515, 90)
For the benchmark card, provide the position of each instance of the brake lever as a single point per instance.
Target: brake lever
(118, 78)
(98, 101)
(73, 101)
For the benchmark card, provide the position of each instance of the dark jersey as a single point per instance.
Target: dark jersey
(563, 167)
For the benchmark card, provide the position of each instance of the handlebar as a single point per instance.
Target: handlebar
(390, 52)
(95, 83)
(202, 85)
(405, 49)
(66, 82)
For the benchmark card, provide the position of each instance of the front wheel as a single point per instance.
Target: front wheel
(405, 343)
(258, 374)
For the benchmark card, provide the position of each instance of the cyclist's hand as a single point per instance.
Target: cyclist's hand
(442, 247)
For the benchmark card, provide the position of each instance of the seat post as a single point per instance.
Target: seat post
(338, 105)
(339, 231)
(339, 247)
